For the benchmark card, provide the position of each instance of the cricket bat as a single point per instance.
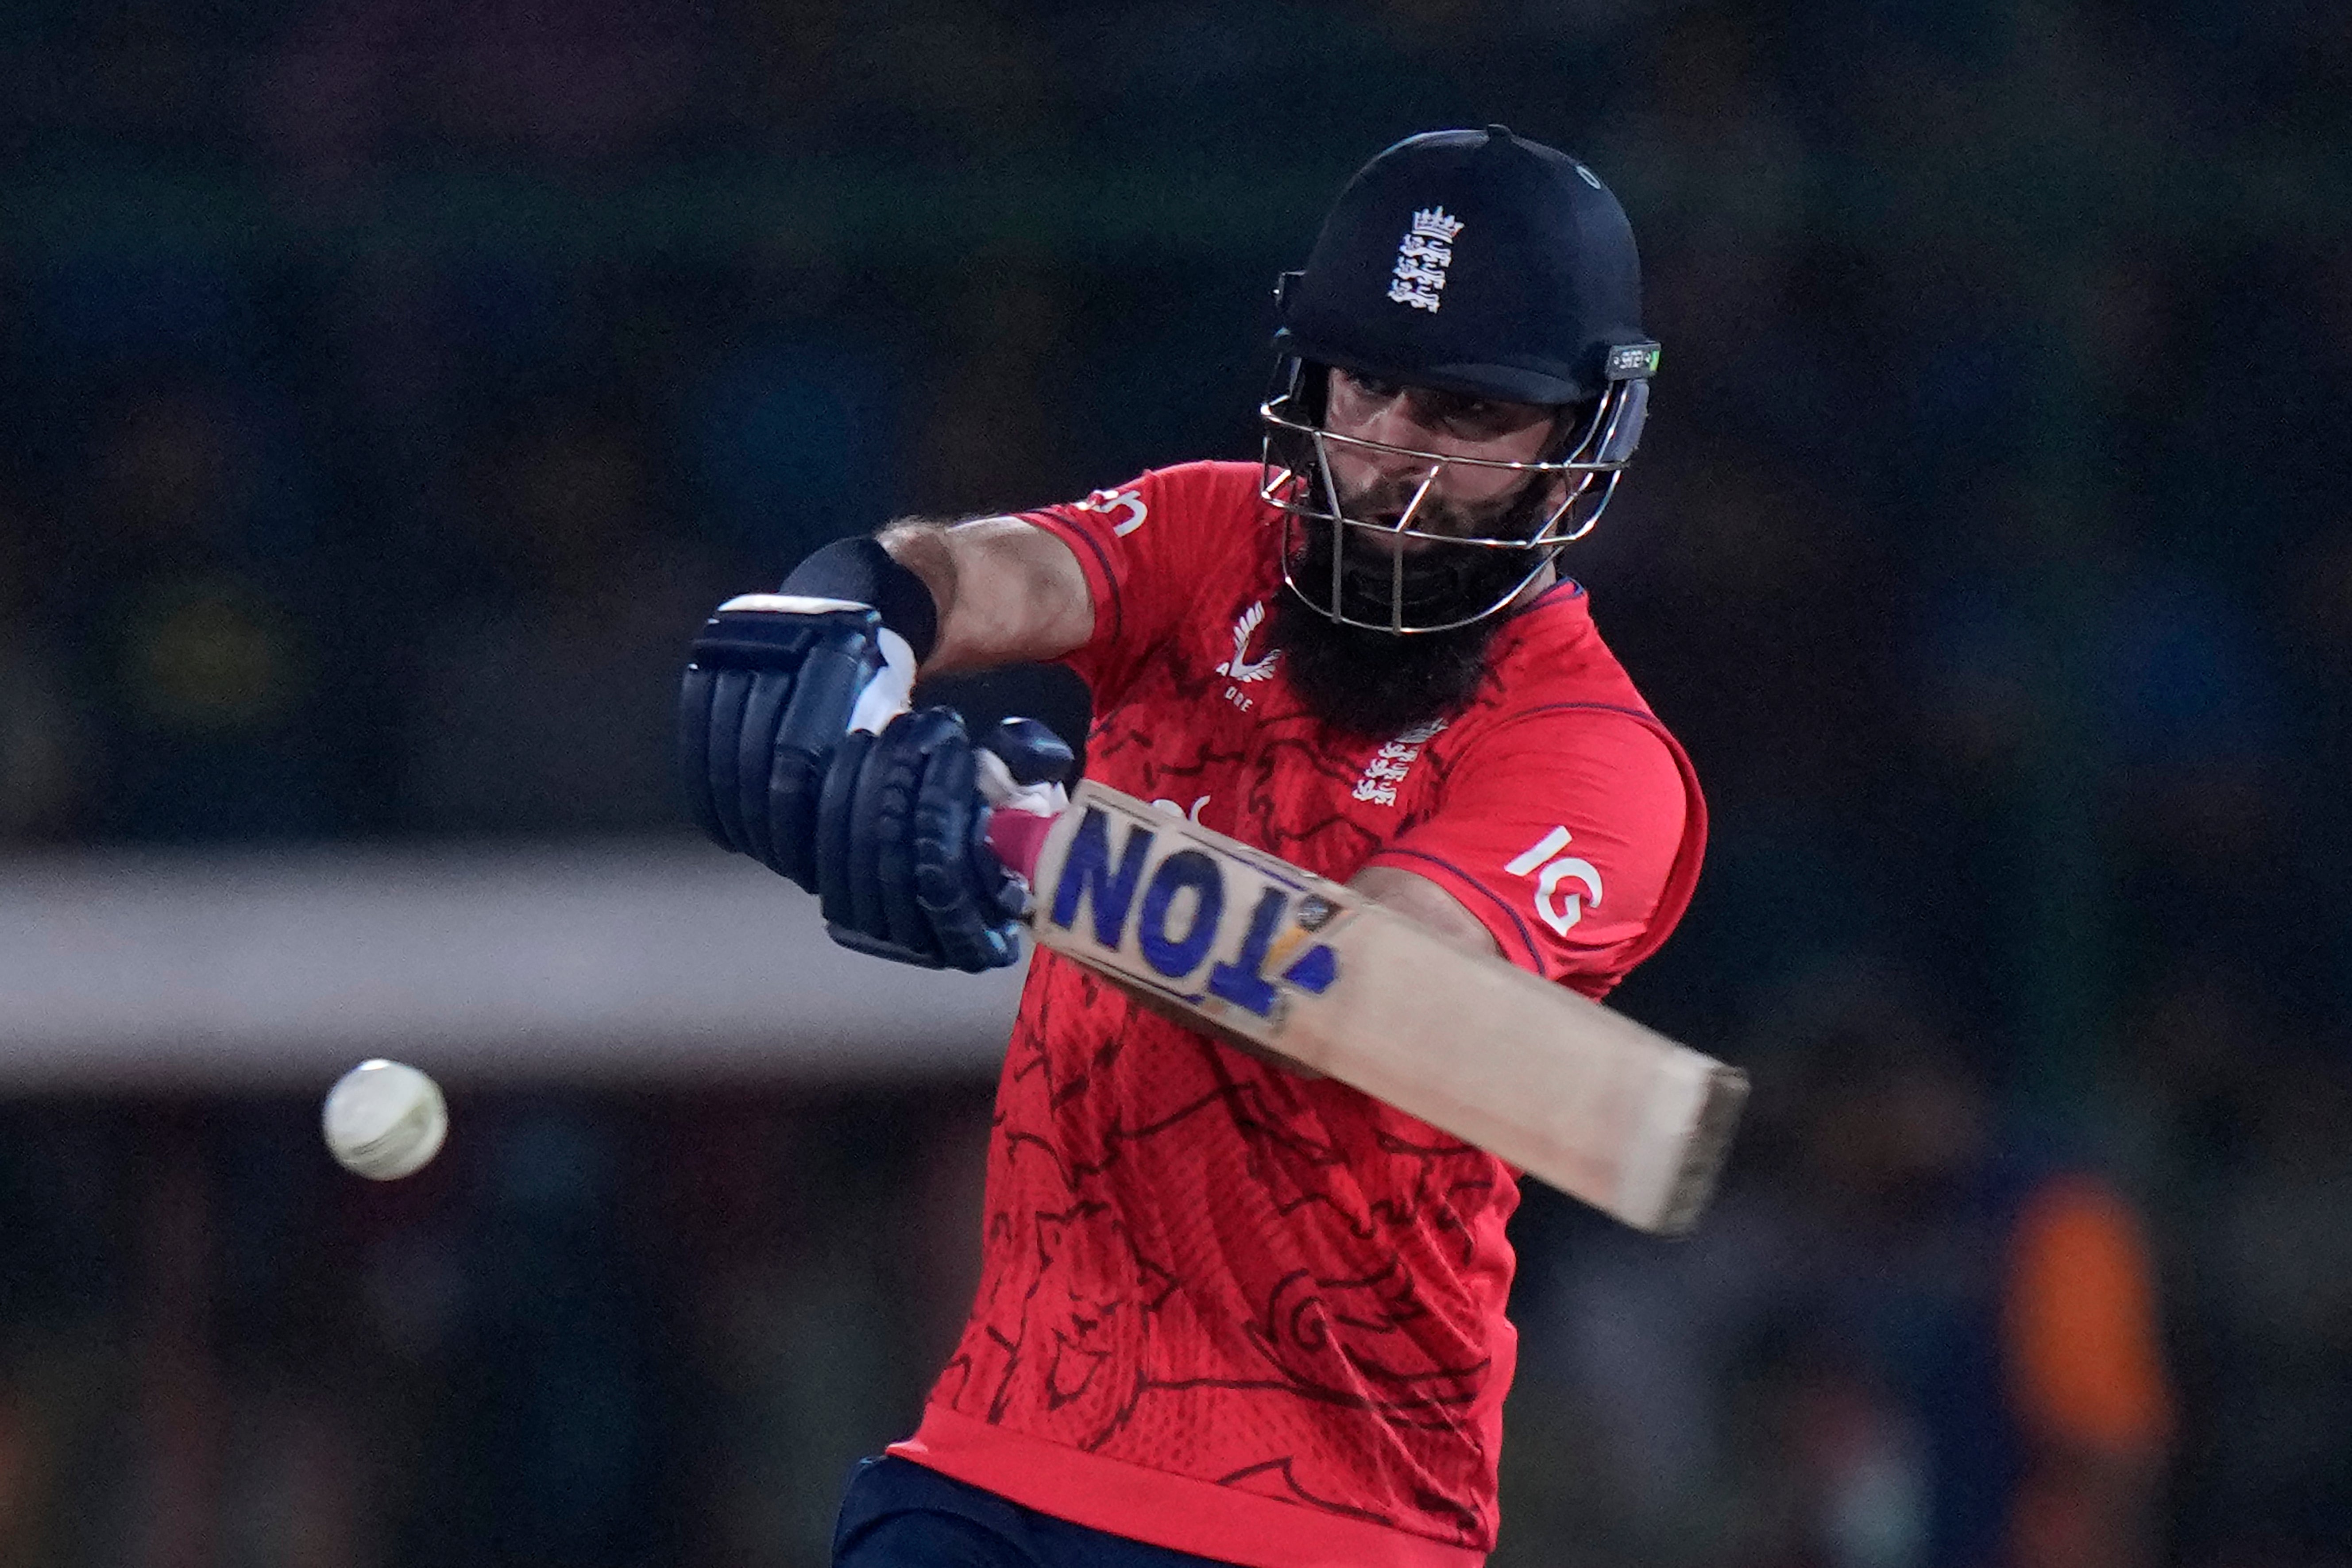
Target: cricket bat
(1570, 1091)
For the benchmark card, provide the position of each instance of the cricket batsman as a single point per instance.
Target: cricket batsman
(1230, 1312)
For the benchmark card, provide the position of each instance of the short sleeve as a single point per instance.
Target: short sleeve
(1145, 547)
(1571, 834)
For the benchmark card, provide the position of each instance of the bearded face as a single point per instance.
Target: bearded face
(1418, 515)
(1377, 684)
(1391, 548)
(1386, 578)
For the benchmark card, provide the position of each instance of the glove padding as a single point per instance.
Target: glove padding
(777, 682)
(904, 867)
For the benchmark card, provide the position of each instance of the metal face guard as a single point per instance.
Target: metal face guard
(1294, 476)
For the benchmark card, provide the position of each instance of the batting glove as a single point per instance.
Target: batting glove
(777, 682)
(904, 867)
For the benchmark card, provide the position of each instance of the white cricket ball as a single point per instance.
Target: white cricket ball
(384, 1120)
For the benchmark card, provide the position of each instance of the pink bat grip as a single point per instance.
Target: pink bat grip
(1019, 837)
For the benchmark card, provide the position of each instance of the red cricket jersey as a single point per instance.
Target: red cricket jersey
(1223, 1308)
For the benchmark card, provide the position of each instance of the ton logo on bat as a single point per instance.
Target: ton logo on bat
(1164, 917)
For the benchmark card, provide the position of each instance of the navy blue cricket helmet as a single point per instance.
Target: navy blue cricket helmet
(1478, 263)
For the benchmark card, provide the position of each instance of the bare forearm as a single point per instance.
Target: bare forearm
(1007, 592)
(1421, 899)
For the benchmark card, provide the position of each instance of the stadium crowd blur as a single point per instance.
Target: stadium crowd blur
(389, 386)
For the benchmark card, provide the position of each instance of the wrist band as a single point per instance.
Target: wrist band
(862, 572)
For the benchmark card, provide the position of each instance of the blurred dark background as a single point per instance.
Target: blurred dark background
(389, 386)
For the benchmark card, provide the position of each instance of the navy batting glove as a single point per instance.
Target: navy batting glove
(903, 863)
(1032, 753)
(777, 683)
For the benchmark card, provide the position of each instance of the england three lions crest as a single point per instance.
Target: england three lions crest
(1423, 256)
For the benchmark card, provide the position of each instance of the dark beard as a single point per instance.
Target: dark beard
(1378, 684)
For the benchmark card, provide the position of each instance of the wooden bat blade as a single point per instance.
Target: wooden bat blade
(1577, 1095)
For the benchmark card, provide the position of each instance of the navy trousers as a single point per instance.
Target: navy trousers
(900, 1514)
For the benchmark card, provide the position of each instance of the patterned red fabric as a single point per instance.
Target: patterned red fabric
(1226, 1308)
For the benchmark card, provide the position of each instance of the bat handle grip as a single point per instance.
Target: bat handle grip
(1019, 837)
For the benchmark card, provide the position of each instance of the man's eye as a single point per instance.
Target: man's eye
(1372, 386)
(1476, 415)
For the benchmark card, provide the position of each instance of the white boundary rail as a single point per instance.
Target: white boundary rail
(655, 961)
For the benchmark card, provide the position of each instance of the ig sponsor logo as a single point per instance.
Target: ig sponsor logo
(1558, 906)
